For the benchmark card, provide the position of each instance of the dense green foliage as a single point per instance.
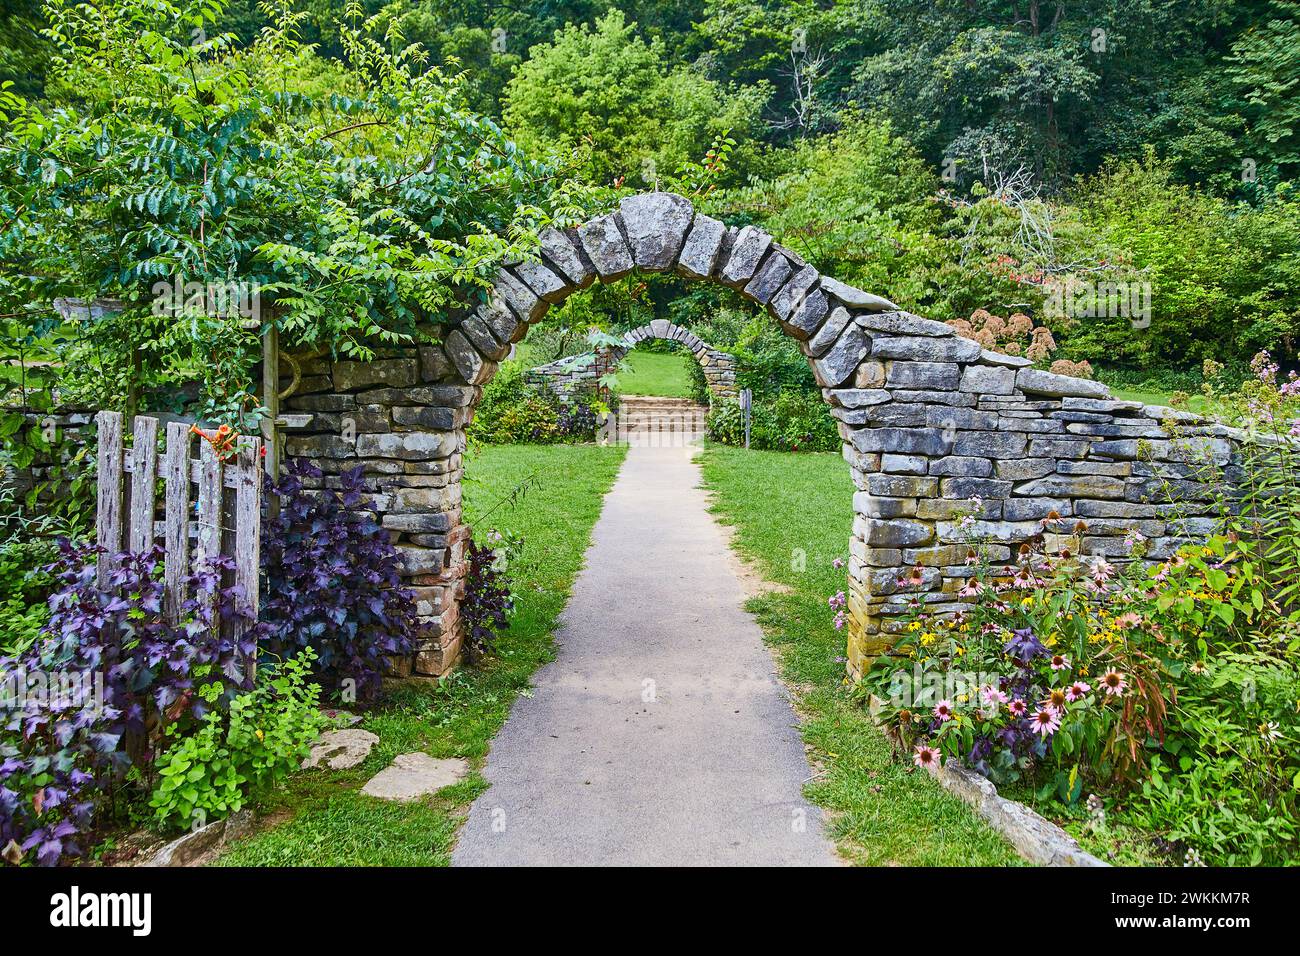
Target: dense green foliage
(212, 188)
(950, 156)
(513, 411)
(236, 754)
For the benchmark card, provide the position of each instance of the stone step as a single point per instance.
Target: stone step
(650, 403)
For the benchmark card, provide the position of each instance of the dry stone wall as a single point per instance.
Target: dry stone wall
(577, 374)
(929, 421)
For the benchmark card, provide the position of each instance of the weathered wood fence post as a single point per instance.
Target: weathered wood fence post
(228, 519)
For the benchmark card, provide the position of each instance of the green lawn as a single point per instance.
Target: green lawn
(656, 373)
(321, 819)
(1196, 404)
(883, 811)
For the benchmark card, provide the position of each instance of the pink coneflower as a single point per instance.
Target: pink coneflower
(1114, 684)
(1018, 708)
(1102, 570)
(1060, 662)
(973, 588)
(1045, 721)
(993, 697)
(1055, 700)
(943, 710)
(1128, 619)
(1077, 691)
(925, 756)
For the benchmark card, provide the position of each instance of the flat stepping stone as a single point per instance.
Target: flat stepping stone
(341, 749)
(411, 776)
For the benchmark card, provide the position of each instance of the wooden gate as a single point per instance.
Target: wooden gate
(228, 496)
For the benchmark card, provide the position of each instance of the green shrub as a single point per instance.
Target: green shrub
(24, 587)
(1228, 781)
(791, 421)
(263, 737)
(514, 412)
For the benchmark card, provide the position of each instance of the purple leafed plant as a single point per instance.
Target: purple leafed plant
(485, 609)
(333, 582)
(124, 672)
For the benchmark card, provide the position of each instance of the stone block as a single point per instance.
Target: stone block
(699, 254)
(988, 380)
(856, 298)
(526, 304)
(826, 336)
(838, 365)
(747, 251)
(905, 464)
(941, 376)
(656, 225)
(989, 444)
(943, 416)
(1126, 448)
(1034, 509)
(416, 560)
(501, 322)
(1024, 469)
(807, 315)
(1038, 382)
(769, 279)
(897, 532)
(791, 295)
(902, 323)
(435, 364)
(961, 467)
(438, 419)
(548, 285)
(974, 488)
(473, 368)
(955, 399)
(1059, 448)
(563, 250)
(921, 348)
(1074, 486)
(603, 241)
(351, 376)
(476, 330)
(407, 446)
(902, 486)
(902, 441)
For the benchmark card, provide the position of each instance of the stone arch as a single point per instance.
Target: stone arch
(576, 373)
(929, 421)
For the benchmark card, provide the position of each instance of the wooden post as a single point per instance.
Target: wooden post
(211, 491)
(271, 399)
(108, 516)
(176, 467)
(248, 534)
(144, 482)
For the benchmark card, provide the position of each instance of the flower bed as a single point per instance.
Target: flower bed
(1151, 691)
